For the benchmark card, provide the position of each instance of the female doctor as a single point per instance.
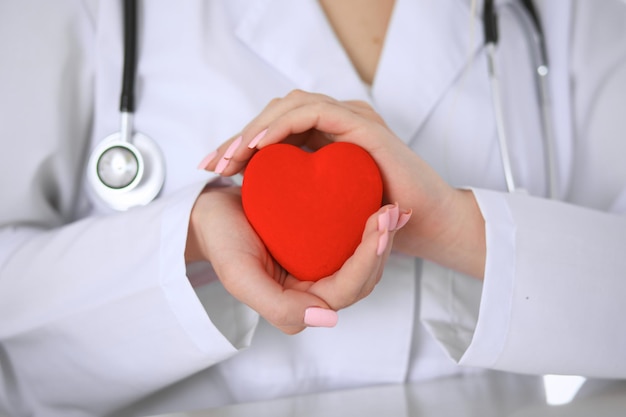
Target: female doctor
(100, 313)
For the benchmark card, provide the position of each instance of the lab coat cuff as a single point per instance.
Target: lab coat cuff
(496, 301)
(467, 317)
(231, 324)
(449, 307)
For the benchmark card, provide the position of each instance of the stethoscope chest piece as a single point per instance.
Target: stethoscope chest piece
(124, 174)
(127, 168)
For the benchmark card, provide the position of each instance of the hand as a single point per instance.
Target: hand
(447, 225)
(220, 234)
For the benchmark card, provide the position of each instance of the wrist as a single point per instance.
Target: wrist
(450, 233)
(468, 243)
(196, 248)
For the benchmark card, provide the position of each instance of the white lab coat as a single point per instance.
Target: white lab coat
(97, 313)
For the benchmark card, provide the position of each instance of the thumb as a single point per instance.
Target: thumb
(286, 305)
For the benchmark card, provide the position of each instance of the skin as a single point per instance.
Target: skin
(360, 26)
(219, 233)
(446, 224)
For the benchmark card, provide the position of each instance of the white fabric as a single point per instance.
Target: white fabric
(97, 314)
(554, 280)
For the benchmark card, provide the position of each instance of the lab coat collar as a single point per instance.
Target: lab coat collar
(296, 39)
(415, 53)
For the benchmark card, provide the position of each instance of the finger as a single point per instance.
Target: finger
(365, 110)
(232, 156)
(243, 265)
(220, 155)
(294, 100)
(336, 120)
(233, 159)
(361, 272)
(285, 308)
(256, 130)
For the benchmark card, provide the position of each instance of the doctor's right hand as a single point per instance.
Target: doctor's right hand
(447, 226)
(220, 233)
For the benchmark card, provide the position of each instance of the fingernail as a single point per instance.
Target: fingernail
(394, 214)
(257, 139)
(221, 166)
(404, 219)
(383, 239)
(320, 317)
(207, 160)
(383, 220)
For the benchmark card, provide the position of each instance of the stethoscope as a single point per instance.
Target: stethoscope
(526, 13)
(127, 168)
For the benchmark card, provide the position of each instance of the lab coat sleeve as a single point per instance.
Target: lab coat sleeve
(553, 294)
(100, 313)
(96, 313)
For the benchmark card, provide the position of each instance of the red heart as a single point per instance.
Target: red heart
(310, 209)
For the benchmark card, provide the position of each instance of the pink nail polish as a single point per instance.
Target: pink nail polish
(257, 139)
(232, 148)
(383, 239)
(221, 166)
(394, 214)
(383, 220)
(404, 219)
(320, 317)
(207, 160)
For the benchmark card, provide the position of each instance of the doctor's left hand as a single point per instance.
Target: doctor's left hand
(220, 233)
(447, 226)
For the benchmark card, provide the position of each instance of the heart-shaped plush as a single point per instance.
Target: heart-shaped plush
(310, 208)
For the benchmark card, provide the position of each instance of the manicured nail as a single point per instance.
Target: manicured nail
(320, 317)
(257, 139)
(221, 166)
(383, 239)
(394, 214)
(404, 219)
(383, 220)
(207, 160)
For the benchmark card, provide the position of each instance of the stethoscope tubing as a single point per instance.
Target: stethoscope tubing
(127, 168)
(129, 72)
(524, 11)
(528, 18)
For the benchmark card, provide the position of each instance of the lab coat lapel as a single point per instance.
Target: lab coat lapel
(427, 46)
(296, 39)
